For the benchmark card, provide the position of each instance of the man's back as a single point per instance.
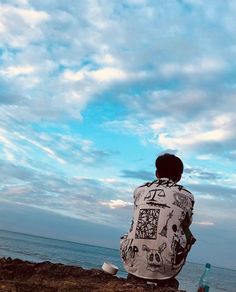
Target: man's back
(157, 243)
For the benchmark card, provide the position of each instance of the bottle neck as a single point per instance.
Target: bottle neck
(207, 270)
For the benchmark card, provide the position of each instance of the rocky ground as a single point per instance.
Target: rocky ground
(22, 276)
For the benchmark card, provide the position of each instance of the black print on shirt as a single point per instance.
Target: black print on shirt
(124, 247)
(167, 183)
(178, 247)
(147, 224)
(153, 193)
(137, 197)
(158, 205)
(180, 188)
(165, 227)
(152, 198)
(180, 200)
(128, 251)
(154, 257)
(132, 225)
(148, 184)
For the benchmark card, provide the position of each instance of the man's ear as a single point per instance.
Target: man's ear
(157, 174)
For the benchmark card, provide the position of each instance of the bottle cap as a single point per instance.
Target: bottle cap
(109, 268)
(208, 266)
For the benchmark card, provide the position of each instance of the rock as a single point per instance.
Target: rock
(23, 276)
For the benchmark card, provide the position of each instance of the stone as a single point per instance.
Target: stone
(22, 276)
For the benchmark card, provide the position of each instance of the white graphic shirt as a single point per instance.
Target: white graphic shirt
(157, 244)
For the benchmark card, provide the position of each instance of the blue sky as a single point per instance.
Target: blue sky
(92, 91)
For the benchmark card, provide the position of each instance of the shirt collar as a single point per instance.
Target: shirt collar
(165, 179)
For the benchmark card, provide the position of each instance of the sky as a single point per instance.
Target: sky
(92, 91)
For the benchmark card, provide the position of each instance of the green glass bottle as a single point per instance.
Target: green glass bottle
(203, 285)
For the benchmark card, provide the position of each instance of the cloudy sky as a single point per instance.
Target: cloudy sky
(92, 91)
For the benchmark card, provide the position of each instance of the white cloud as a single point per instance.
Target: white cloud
(96, 15)
(73, 76)
(105, 58)
(204, 223)
(207, 197)
(30, 16)
(128, 126)
(108, 74)
(8, 147)
(191, 138)
(223, 120)
(203, 66)
(116, 204)
(109, 180)
(23, 2)
(2, 27)
(21, 26)
(139, 2)
(47, 150)
(13, 71)
(19, 189)
(205, 157)
(156, 126)
(12, 147)
(194, 134)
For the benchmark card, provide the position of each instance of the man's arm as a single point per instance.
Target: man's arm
(186, 224)
(132, 222)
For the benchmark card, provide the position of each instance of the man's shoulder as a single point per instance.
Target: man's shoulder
(169, 184)
(185, 191)
(147, 184)
(143, 187)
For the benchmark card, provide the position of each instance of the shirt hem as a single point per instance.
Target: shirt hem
(148, 278)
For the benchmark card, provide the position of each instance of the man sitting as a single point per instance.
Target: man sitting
(157, 244)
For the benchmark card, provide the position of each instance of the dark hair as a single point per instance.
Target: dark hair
(170, 166)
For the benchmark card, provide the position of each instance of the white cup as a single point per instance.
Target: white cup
(109, 268)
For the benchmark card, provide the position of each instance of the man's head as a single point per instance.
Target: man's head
(170, 166)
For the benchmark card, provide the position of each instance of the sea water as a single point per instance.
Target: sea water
(38, 249)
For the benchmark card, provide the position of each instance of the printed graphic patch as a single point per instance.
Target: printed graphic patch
(147, 224)
(154, 258)
(154, 194)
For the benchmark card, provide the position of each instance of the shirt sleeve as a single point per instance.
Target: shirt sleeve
(136, 196)
(189, 214)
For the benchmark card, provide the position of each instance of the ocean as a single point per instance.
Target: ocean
(38, 249)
